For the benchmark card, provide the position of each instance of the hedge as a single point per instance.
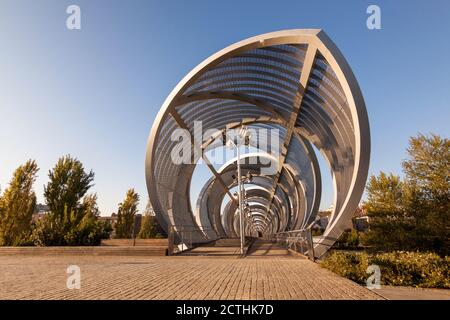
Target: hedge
(398, 268)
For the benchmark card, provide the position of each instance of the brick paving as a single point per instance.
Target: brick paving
(105, 277)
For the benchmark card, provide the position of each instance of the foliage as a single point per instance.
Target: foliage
(413, 214)
(428, 198)
(73, 216)
(89, 231)
(150, 227)
(17, 205)
(428, 166)
(348, 239)
(350, 265)
(398, 268)
(68, 184)
(125, 215)
(401, 268)
(384, 194)
(390, 227)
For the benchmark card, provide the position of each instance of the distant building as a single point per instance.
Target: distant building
(112, 219)
(361, 223)
(360, 219)
(322, 222)
(42, 208)
(322, 219)
(39, 212)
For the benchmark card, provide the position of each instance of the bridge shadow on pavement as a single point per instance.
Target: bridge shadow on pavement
(267, 248)
(230, 248)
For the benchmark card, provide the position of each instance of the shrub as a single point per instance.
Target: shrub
(90, 231)
(353, 239)
(398, 268)
(349, 265)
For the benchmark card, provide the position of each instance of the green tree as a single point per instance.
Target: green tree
(17, 205)
(125, 215)
(73, 216)
(69, 182)
(90, 206)
(389, 225)
(90, 230)
(150, 227)
(428, 166)
(348, 239)
(384, 193)
(427, 176)
(413, 214)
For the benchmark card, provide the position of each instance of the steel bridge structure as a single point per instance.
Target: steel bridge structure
(296, 82)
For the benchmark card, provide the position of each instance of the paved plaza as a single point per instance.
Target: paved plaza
(180, 277)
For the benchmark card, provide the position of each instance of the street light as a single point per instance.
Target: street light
(243, 138)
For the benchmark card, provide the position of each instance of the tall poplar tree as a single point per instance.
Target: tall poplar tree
(125, 215)
(17, 205)
(150, 227)
(73, 213)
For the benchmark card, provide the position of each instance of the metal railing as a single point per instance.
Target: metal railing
(298, 240)
(183, 238)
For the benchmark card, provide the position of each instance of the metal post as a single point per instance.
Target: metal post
(133, 231)
(241, 218)
(182, 238)
(171, 240)
(310, 244)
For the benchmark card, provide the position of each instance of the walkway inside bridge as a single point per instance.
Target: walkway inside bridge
(231, 248)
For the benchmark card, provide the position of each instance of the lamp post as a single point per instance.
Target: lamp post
(248, 218)
(241, 207)
(243, 139)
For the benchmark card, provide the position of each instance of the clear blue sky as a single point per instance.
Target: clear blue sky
(94, 93)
